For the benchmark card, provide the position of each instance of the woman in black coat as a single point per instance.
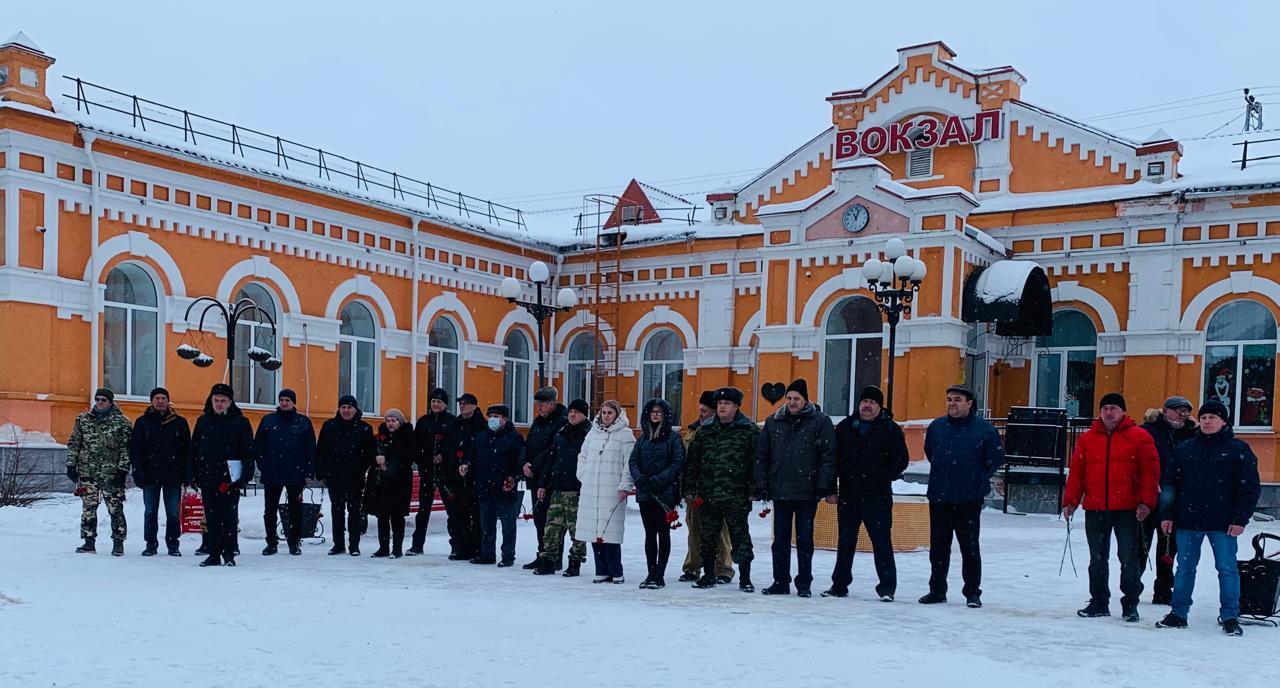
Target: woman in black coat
(389, 487)
(655, 466)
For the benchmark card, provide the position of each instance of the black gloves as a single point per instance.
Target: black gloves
(72, 474)
(118, 481)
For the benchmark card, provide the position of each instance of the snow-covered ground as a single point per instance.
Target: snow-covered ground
(79, 620)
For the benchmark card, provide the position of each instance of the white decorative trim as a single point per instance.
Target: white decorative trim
(261, 267)
(849, 279)
(449, 301)
(753, 323)
(140, 245)
(1240, 282)
(515, 316)
(580, 320)
(1072, 291)
(663, 315)
(361, 285)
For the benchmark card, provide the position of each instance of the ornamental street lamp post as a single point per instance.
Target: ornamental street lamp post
(894, 300)
(231, 315)
(566, 299)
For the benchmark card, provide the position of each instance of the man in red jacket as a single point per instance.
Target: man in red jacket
(1115, 470)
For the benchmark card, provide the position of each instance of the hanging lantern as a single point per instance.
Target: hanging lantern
(272, 363)
(203, 361)
(258, 354)
(187, 352)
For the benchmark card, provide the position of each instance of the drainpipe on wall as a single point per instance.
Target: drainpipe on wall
(94, 305)
(413, 333)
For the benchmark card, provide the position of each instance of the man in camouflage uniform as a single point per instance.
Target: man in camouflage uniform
(98, 462)
(693, 559)
(559, 486)
(718, 472)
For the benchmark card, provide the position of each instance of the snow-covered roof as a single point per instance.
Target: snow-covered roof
(1003, 281)
(21, 40)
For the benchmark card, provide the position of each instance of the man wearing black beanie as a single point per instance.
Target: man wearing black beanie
(286, 457)
(431, 433)
(692, 566)
(344, 454)
(158, 453)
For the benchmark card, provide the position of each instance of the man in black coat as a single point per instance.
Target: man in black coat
(432, 435)
(871, 453)
(539, 451)
(1168, 427)
(158, 453)
(458, 492)
(560, 488)
(344, 454)
(795, 465)
(286, 455)
(495, 467)
(221, 464)
(1209, 491)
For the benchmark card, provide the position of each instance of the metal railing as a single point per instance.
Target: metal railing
(295, 159)
(1244, 152)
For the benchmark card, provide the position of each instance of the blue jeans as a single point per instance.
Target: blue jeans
(503, 510)
(1224, 559)
(151, 514)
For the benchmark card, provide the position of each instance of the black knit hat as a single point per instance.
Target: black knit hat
(467, 398)
(799, 386)
(729, 394)
(580, 405)
(348, 400)
(1214, 407)
(873, 393)
(289, 394)
(1112, 399)
(708, 399)
(104, 392)
(500, 409)
(222, 389)
(438, 393)
(158, 390)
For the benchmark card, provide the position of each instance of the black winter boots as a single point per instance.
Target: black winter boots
(88, 547)
(574, 569)
(117, 548)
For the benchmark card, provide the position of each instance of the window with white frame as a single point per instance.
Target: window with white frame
(975, 364)
(662, 371)
(580, 368)
(1065, 365)
(252, 383)
(517, 376)
(443, 356)
(852, 342)
(1239, 362)
(131, 332)
(358, 355)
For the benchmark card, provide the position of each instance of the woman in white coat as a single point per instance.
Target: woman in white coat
(606, 481)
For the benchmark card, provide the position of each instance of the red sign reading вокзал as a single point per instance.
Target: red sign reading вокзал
(925, 132)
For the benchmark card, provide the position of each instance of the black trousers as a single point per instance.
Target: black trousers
(222, 520)
(876, 513)
(540, 507)
(426, 500)
(463, 510)
(657, 538)
(344, 506)
(801, 512)
(1164, 554)
(293, 529)
(391, 533)
(961, 521)
(1098, 529)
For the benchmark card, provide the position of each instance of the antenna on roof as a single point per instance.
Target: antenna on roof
(1252, 113)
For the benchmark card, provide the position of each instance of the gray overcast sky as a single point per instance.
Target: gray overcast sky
(512, 100)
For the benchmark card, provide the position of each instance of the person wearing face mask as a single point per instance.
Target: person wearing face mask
(158, 452)
(692, 566)
(344, 454)
(389, 485)
(221, 459)
(606, 482)
(495, 467)
(1168, 427)
(98, 462)
(286, 456)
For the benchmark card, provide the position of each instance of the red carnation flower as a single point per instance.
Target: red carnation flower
(81, 491)
(697, 502)
(765, 512)
(1166, 559)
(527, 517)
(673, 516)
(599, 541)
(458, 454)
(223, 487)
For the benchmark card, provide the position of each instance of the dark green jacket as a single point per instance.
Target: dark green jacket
(720, 462)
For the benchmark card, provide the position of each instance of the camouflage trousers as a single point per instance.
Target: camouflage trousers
(562, 516)
(715, 516)
(693, 560)
(94, 495)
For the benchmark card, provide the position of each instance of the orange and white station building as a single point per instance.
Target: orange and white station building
(1158, 254)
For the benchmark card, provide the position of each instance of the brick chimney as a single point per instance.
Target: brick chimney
(23, 72)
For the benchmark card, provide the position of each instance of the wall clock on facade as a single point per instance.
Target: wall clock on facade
(855, 218)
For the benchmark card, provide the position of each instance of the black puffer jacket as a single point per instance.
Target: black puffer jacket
(158, 448)
(286, 448)
(1211, 483)
(388, 491)
(657, 458)
(561, 475)
(796, 455)
(216, 440)
(539, 444)
(868, 463)
(497, 459)
(345, 452)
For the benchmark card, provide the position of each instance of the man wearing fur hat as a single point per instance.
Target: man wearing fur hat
(158, 452)
(1168, 427)
(221, 464)
(718, 474)
(344, 454)
(693, 522)
(539, 451)
(98, 462)
(432, 435)
(286, 457)
(795, 465)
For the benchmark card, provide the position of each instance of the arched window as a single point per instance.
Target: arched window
(252, 383)
(579, 375)
(517, 376)
(1239, 362)
(442, 356)
(131, 333)
(662, 370)
(358, 355)
(1065, 361)
(852, 343)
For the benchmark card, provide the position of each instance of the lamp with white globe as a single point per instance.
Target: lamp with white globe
(894, 283)
(566, 299)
